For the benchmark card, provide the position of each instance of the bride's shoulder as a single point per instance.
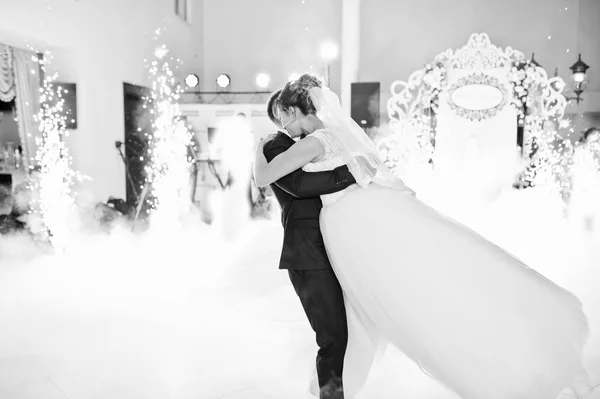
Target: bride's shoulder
(324, 135)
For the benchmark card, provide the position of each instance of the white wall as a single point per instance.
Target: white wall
(99, 45)
(588, 40)
(242, 38)
(399, 37)
(245, 37)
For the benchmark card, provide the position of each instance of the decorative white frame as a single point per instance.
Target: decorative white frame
(413, 102)
(477, 114)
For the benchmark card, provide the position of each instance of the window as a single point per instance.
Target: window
(182, 10)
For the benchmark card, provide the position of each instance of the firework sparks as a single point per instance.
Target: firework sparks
(55, 198)
(168, 172)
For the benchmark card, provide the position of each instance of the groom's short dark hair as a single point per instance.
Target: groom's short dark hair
(271, 104)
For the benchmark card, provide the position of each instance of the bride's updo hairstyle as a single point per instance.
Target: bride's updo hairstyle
(295, 94)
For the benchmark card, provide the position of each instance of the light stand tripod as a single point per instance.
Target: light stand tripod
(119, 145)
(139, 197)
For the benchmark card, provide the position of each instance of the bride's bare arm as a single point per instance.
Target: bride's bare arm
(300, 154)
(301, 184)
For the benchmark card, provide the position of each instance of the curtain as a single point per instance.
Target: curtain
(27, 82)
(7, 76)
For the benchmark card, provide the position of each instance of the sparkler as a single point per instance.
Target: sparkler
(54, 186)
(168, 169)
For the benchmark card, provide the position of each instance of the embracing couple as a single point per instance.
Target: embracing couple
(372, 264)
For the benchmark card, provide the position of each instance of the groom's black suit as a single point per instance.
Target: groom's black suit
(305, 258)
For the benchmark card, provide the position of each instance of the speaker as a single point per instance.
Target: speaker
(6, 180)
(365, 99)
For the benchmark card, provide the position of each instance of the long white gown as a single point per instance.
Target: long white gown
(470, 314)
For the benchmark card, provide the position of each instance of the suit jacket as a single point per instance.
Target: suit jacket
(298, 195)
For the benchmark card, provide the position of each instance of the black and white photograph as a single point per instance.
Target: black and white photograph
(296, 199)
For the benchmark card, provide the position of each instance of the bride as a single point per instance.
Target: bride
(471, 315)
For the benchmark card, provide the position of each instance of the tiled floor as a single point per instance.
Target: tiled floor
(247, 339)
(24, 378)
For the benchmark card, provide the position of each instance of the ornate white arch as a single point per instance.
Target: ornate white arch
(414, 103)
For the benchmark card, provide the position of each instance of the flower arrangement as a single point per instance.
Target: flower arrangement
(523, 78)
(435, 80)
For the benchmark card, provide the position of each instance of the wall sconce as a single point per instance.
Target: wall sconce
(579, 76)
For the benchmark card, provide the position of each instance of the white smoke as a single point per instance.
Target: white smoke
(202, 311)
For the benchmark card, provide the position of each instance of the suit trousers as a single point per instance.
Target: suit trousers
(321, 297)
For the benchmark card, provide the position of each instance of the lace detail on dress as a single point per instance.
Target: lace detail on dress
(330, 160)
(326, 138)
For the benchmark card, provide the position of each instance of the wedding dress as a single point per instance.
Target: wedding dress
(471, 315)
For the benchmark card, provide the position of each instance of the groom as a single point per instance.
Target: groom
(304, 256)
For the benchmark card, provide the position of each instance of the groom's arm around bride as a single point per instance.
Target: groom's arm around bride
(304, 256)
(302, 184)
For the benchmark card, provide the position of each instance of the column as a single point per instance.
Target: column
(350, 48)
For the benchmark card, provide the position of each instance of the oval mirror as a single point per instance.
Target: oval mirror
(477, 97)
